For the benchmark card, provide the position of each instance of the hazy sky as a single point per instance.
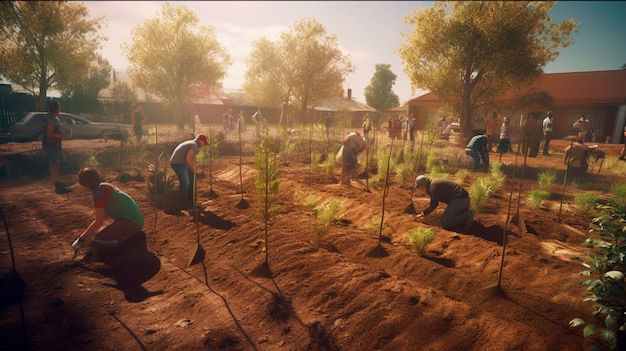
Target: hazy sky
(368, 31)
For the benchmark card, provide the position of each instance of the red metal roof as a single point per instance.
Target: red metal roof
(588, 87)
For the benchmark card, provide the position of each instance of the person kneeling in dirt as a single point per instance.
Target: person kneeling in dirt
(575, 158)
(353, 145)
(109, 203)
(447, 191)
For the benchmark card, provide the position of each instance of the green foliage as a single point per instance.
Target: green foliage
(328, 213)
(604, 278)
(375, 222)
(97, 79)
(537, 197)
(330, 162)
(481, 189)
(308, 200)
(468, 52)
(160, 176)
(495, 168)
(47, 45)
(171, 56)
(618, 196)
(461, 175)
(379, 93)
(316, 157)
(403, 171)
(267, 178)
(546, 178)
(585, 202)
(421, 238)
(284, 68)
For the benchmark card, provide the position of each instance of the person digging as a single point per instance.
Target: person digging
(110, 203)
(447, 191)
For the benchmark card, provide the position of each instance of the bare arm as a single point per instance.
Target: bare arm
(190, 158)
(91, 230)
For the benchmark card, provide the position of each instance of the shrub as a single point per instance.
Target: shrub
(403, 172)
(420, 239)
(618, 195)
(585, 202)
(537, 197)
(605, 278)
(546, 178)
(461, 175)
(309, 201)
(328, 213)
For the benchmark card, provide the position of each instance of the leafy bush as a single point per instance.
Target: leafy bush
(605, 280)
(585, 202)
(618, 195)
(538, 196)
(328, 213)
(421, 238)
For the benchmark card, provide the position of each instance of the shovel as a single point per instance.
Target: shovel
(410, 209)
(211, 194)
(197, 253)
(243, 203)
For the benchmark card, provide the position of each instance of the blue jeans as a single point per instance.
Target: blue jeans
(185, 175)
(477, 156)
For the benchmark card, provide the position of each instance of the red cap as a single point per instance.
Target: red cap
(203, 138)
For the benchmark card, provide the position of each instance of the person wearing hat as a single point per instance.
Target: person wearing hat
(183, 162)
(457, 212)
(109, 203)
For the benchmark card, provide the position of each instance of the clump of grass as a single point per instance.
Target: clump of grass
(308, 200)
(618, 195)
(329, 164)
(403, 172)
(479, 192)
(328, 213)
(537, 197)
(421, 238)
(374, 223)
(461, 175)
(546, 178)
(585, 202)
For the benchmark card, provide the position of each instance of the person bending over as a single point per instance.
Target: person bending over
(451, 193)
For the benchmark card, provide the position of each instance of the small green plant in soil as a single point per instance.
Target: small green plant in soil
(605, 280)
(308, 200)
(585, 202)
(421, 238)
(328, 213)
(481, 189)
(546, 178)
(537, 197)
(461, 175)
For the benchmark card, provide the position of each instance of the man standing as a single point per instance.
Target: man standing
(52, 146)
(136, 118)
(477, 150)
(547, 133)
(353, 145)
(451, 193)
(367, 125)
(622, 155)
(183, 162)
(491, 129)
(583, 125)
(257, 118)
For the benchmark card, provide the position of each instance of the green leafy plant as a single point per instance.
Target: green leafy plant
(309, 201)
(585, 202)
(328, 213)
(266, 182)
(546, 178)
(479, 192)
(537, 197)
(421, 238)
(461, 175)
(605, 282)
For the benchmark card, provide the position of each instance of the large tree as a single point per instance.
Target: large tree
(303, 67)
(47, 45)
(171, 54)
(98, 78)
(379, 93)
(469, 52)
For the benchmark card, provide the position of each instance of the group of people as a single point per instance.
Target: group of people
(127, 219)
(402, 128)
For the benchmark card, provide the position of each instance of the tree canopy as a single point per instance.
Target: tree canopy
(171, 54)
(379, 93)
(469, 52)
(98, 78)
(303, 67)
(47, 45)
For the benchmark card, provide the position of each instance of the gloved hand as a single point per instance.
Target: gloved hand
(76, 245)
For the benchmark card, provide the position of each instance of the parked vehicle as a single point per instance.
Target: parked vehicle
(30, 128)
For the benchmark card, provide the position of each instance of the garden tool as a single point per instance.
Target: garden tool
(243, 203)
(197, 253)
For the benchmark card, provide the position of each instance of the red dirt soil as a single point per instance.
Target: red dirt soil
(340, 290)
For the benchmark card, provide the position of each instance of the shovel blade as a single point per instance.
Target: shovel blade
(410, 209)
(196, 255)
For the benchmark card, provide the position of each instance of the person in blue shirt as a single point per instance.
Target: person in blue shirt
(477, 149)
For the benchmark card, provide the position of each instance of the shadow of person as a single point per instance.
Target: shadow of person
(214, 221)
(130, 266)
(491, 233)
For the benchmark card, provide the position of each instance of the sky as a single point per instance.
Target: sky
(369, 32)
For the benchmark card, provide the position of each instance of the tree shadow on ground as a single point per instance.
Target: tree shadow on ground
(492, 233)
(209, 218)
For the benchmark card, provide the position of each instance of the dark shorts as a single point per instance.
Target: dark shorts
(53, 155)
